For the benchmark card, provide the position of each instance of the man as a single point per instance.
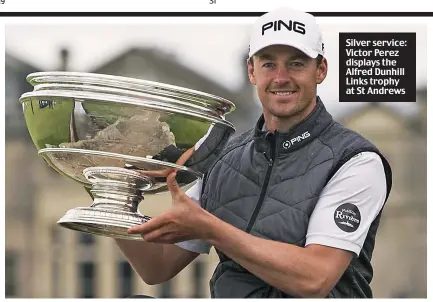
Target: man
(292, 206)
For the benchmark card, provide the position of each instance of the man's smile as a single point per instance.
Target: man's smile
(283, 92)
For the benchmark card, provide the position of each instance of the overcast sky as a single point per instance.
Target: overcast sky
(214, 50)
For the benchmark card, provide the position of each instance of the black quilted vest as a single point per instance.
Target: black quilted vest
(268, 184)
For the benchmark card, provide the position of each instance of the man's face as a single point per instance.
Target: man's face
(286, 80)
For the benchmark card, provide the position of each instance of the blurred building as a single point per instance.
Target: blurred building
(44, 260)
(74, 264)
(400, 255)
(20, 190)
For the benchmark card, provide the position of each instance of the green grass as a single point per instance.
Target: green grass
(51, 125)
(105, 114)
(186, 131)
(48, 125)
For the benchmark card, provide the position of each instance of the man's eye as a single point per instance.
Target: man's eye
(268, 65)
(296, 64)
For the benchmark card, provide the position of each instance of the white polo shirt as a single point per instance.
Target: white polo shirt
(345, 210)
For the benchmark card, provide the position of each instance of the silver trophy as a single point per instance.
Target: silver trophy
(120, 138)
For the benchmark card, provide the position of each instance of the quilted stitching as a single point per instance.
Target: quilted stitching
(238, 172)
(291, 207)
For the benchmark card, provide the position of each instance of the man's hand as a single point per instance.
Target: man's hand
(185, 220)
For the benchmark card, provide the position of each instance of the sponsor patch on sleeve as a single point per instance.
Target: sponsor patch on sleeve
(347, 217)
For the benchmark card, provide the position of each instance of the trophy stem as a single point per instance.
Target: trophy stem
(116, 196)
(117, 193)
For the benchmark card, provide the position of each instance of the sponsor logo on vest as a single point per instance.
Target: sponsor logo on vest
(288, 143)
(347, 217)
(278, 25)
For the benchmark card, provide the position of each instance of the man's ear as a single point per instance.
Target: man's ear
(251, 75)
(322, 71)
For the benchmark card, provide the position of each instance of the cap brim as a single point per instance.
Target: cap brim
(309, 52)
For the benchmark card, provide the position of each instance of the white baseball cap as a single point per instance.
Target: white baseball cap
(285, 26)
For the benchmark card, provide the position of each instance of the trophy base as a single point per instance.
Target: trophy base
(105, 222)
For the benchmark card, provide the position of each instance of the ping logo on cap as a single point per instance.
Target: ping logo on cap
(277, 25)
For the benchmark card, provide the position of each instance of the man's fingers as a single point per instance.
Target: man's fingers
(165, 235)
(153, 236)
(156, 173)
(172, 184)
(148, 226)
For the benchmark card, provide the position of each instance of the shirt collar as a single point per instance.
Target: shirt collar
(297, 137)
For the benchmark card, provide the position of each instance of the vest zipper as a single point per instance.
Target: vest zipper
(264, 188)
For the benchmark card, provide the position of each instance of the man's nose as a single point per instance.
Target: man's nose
(282, 75)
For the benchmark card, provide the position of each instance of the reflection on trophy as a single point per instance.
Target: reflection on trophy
(120, 138)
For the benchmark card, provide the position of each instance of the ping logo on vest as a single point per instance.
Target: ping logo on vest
(277, 25)
(347, 217)
(288, 143)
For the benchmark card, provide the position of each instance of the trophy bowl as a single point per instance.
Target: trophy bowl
(120, 138)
